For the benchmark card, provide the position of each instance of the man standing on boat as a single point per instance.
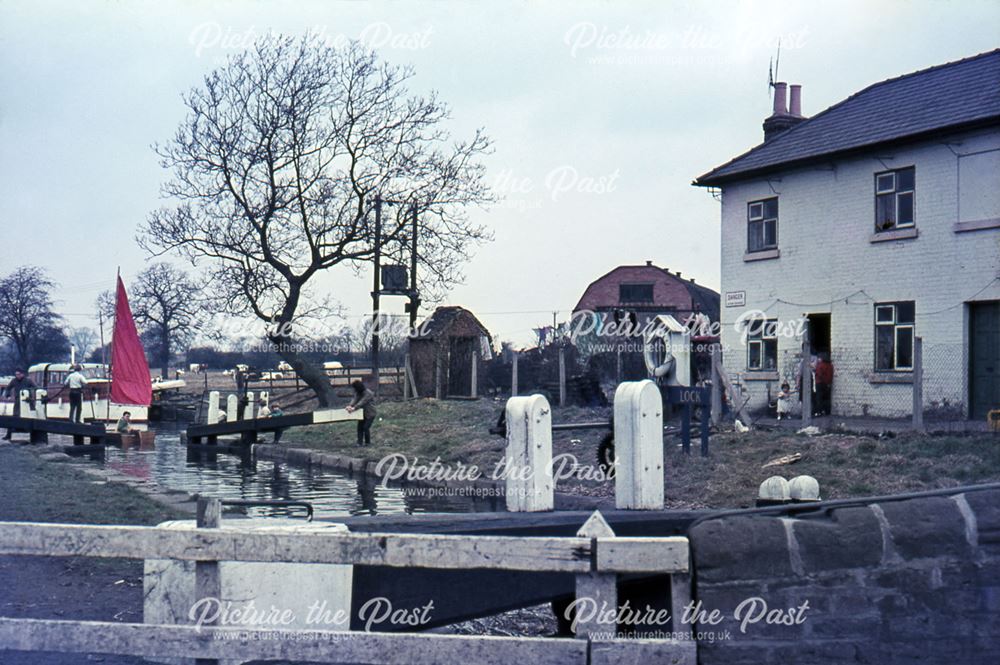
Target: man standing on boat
(364, 399)
(14, 388)
(76, 382)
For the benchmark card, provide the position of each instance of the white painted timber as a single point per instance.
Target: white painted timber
(232, 405)
(638, 446)
(40, 405)
(169, 586)
(335, 415)
(326, 646)
(528, 457)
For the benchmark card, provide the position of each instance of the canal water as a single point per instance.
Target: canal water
(332, 493)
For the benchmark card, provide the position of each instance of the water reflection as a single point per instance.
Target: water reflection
(170, 466)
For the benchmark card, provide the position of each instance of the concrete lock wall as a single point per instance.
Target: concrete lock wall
(313, 594)
(914, 581)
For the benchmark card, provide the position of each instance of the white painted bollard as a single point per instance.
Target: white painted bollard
(248, 413)
(638, 446)
(40, 405)
(803, 488)
(24, 397)
(232, 403)
(528, 458)
(213, 407)
(774, 488)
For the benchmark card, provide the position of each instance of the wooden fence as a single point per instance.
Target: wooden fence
(596, 556)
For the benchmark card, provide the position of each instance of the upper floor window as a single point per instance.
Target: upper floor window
(762, 225)
(894, 192)
(635, 293)
(894, 336)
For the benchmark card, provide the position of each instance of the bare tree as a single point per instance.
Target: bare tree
(169, 308)
(276, 170)
(84, 340)
(27, 317)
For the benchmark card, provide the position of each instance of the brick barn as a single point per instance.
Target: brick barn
(634, 295)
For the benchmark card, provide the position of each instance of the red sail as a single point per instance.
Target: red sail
(130, 382)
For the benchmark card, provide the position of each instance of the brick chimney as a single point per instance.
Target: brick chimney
(784, 115)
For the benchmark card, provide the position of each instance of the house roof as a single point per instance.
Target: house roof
(956, 95)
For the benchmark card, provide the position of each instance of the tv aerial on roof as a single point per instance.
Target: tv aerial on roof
(772, 69)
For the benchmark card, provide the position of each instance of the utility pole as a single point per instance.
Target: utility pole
(414, 296)
(375, 291)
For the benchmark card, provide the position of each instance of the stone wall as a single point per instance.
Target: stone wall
(912, 581)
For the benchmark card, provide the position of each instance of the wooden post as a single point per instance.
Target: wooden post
(232, 404)
(513, 374)
(918, 384)
(680, 597)
(638, 412)
(805, 379)
(24, 404)
(437, 376)
(412, 380)
(716, 385)
(406, 377)
(248, 413)
(207, 582)
(595, 590)
(528, 456)
(475, 375)
(562, 376)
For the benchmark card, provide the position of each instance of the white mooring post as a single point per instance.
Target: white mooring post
(248, 413)
(232, 405)
(528, 458)
(40, 396)
(638, 446)
(24, 397)
(213, 408)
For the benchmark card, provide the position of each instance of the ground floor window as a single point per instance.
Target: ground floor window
(762, 344)
(894, 336)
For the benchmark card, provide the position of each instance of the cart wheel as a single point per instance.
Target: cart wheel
(606, 455)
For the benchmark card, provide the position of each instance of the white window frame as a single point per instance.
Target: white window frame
(896, 328)
(896, 194)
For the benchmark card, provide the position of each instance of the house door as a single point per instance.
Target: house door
(819, 333)
(984, 358)
(460, 366)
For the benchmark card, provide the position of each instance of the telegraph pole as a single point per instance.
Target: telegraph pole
(414, 297)
(375, 291)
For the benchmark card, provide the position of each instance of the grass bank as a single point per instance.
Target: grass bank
(846, 465)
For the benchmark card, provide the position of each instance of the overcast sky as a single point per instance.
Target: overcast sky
(602, 114)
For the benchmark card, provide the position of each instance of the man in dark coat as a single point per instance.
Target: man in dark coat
(364, 399)
(18, 383)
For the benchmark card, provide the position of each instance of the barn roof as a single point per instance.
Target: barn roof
(957, 95)
(438, 323)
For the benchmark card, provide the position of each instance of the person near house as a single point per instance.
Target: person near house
(364, 399)
(124, 425)
(824, 385)
(784, 402)
(76, 382)
(13, 390)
